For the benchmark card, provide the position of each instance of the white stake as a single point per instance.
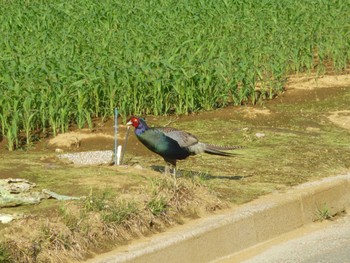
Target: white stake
(119, 151)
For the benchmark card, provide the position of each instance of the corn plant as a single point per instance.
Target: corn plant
(84, 58)
(28, 116)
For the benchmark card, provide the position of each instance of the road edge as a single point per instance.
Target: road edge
(218, 236)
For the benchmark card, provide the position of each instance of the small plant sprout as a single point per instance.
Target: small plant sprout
(323, 213)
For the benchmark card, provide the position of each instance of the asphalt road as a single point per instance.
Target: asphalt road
(329, 243)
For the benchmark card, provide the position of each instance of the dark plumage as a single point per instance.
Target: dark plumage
(173, 144)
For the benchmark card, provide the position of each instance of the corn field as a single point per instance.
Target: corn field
(67, 62)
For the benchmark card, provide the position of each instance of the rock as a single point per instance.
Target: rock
(15, 186)
(137, 166)
(7, 218)
(313, 129)
(260, 134)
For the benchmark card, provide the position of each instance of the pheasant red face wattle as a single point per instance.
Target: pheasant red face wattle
(133, 121)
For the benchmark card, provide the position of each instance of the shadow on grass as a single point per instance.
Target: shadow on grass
(202, 175)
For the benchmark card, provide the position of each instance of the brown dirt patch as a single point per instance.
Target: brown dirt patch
(341, 118)
(76, 139)
(251, 112)
(313, 82)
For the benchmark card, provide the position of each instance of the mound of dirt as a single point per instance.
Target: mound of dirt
(75, 139)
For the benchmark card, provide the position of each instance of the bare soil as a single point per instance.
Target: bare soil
(341, 118)
(300, 136)
(313, 82)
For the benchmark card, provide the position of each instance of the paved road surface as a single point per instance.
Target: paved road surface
(320, 242)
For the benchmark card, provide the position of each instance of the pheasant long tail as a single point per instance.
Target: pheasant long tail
(219, 150)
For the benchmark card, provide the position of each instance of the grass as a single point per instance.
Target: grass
(157, 205)
(97, 201)
(66, 63)
(103, 220)
(5, 255)
(123, 203)
(323, 213)
(120, 212)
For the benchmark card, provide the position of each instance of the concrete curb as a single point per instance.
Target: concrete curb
(218, 236)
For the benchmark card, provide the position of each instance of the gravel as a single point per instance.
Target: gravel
(88, 158)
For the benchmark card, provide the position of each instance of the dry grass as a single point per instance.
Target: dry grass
(103, 218)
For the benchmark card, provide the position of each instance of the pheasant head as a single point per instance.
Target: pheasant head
(134, 121)
(139, 124)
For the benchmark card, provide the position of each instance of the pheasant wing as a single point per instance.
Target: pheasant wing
(184, 139)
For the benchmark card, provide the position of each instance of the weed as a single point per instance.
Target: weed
(70, 220)
(5, 256)
(323, 213)
(157, 205)
(97, 201)
(111, 211)
(120, 212)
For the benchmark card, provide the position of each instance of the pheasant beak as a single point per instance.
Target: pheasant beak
(129, 123)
